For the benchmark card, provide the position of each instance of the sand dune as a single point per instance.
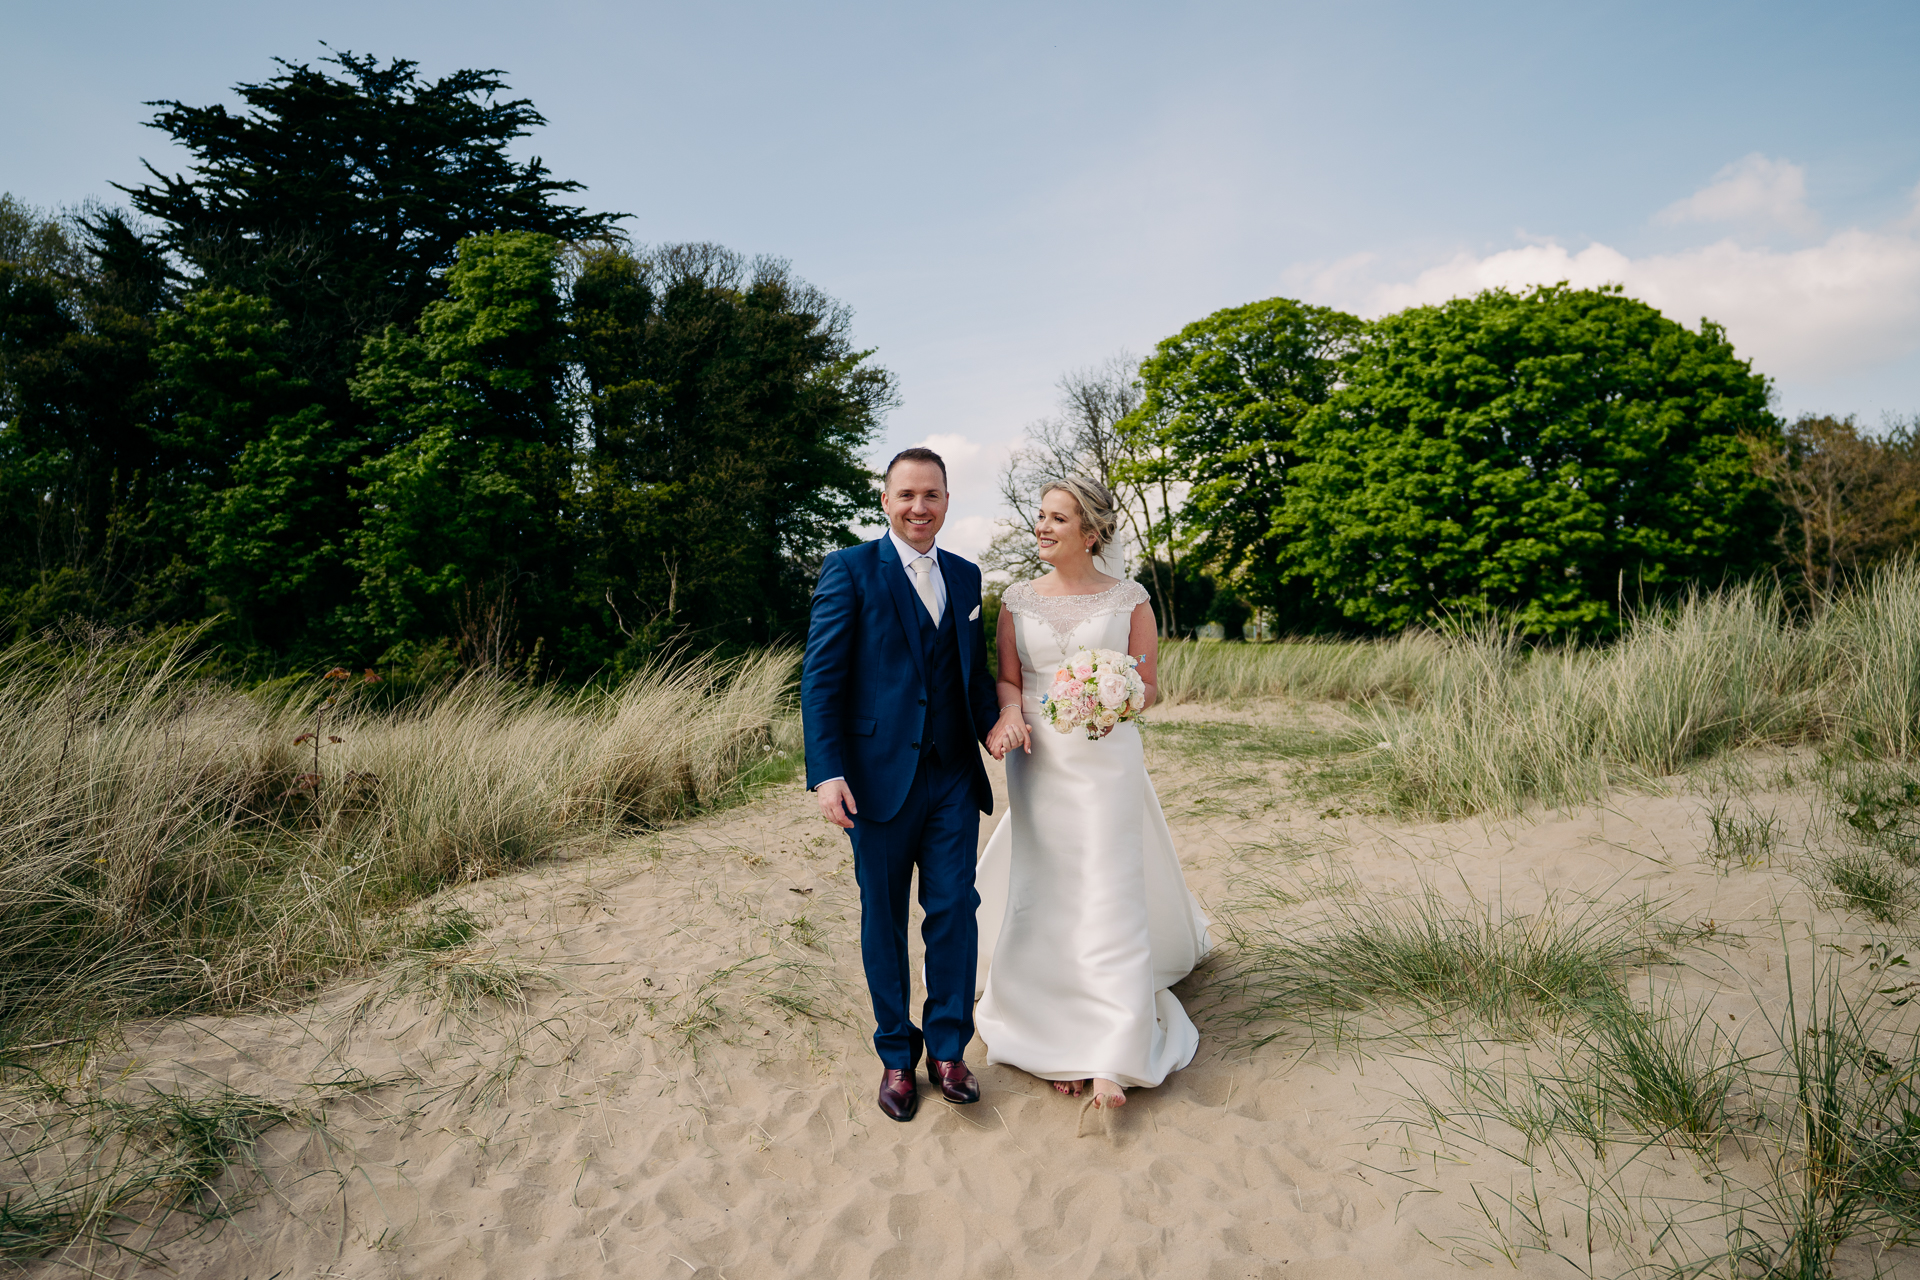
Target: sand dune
(678, 1082)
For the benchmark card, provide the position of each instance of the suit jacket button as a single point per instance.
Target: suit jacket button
(913, 746)
(923, 702)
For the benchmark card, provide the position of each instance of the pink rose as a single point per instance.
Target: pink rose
(1113, 691)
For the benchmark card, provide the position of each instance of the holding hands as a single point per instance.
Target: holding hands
(1009, 733)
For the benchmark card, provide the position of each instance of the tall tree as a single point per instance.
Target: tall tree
(465, 493)
(77, 452)
(1223, 403)
(728, 410)
(1086, 436)
(343, 197)
(1542, 454)
(339, 194)
(257, 475)
(1847, 501)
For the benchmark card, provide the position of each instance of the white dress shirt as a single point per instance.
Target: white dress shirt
(907, 556)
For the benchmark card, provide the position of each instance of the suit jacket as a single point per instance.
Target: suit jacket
(863, 690)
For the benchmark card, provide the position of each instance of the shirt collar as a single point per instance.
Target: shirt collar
(907, 554)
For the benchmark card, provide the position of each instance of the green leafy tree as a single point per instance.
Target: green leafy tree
(1543, 454)
(1223, 403)
(258, 474)
(466, 492)
(340, 194)
(77, 450)
(36, 243)
(344, 197)
(359, 381)
(727, 410)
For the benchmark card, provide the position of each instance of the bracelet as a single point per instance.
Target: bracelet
(1010, 706)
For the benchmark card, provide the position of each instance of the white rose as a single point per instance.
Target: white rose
(1113, 691)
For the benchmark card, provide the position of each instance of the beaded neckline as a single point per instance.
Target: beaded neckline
(1064, 614)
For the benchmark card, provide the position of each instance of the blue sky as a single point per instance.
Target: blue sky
(1005, 192)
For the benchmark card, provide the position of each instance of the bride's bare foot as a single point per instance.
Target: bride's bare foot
(1070, 1088)
(1104, 1096)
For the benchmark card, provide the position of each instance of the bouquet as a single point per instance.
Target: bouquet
(1095, 691)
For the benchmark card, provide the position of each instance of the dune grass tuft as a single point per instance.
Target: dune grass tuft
(1869, 883)
(1842, 1112)
(1664, 1069)
(1425, 952)
(94, 1169)
(1742, 838)
(1879, 803)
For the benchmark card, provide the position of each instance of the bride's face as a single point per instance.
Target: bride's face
(1062, 539)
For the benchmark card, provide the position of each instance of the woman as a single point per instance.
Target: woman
(1085, 917)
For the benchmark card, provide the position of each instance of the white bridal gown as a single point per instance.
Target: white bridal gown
(1085, 917)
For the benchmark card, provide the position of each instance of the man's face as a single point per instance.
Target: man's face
(915, 502)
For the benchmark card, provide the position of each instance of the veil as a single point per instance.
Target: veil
(1112, 559)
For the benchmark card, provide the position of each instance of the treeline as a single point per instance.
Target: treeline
(363, 388)
(1557, 457)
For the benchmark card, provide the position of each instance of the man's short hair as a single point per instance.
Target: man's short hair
(915, 454)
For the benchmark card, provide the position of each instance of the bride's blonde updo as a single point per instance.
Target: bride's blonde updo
(1099, 514)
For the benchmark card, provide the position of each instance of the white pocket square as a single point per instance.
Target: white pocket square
(974, 614)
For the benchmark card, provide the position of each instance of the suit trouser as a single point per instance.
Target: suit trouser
(938, 831)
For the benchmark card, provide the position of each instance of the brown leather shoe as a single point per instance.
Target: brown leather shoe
(899, 1098)
(956, 1082)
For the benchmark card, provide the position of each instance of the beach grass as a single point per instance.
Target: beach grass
(1870, 884)
(1742, 835)
(1847, 1127)
(1320, 670)
(1477, 720)
(1664, 1068)
(85, 1168)
(1424, 952)
(175, 843)
(1225, 742)
(1813, 1137)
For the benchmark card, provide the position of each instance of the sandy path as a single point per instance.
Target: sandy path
(659, 1104)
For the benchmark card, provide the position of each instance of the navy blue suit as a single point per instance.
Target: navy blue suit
(898, 707)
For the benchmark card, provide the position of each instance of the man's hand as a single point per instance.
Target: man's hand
(836, 802)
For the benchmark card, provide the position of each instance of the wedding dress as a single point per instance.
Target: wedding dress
(1085, 917)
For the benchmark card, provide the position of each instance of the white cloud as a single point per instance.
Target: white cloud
(1467, 275)
(1847, 304)
(1755, 190)
(957, 450)
(968, 536)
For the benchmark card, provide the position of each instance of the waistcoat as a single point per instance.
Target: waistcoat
(948, 735)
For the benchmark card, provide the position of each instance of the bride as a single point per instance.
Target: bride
(1085, 918)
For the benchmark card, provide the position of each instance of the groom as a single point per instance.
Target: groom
(896, 697)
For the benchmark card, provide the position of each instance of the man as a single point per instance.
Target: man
(896, 699)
